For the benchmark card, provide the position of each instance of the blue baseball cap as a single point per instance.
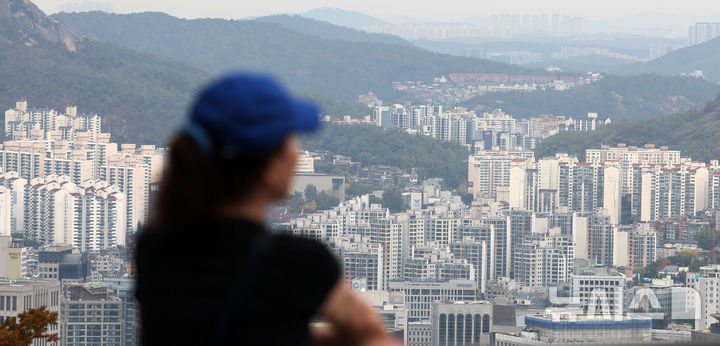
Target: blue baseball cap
(248, 113)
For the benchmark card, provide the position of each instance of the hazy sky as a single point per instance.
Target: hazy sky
(437, 10)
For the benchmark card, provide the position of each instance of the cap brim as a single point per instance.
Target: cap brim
(306, 117)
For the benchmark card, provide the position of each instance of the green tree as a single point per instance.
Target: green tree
(311, 193)
(467, 198)
(326, 201)
(703, 238)
(393, 200)
(28, 326)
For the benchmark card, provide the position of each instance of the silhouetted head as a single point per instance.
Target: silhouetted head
(238, 145)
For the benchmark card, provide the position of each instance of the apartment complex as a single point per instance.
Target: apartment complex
(63, 181)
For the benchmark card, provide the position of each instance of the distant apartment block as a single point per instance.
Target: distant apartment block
(585, 124)
(702, 32)
(22, 122)
(47, 150)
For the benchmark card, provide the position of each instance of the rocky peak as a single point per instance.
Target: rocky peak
(21, 22)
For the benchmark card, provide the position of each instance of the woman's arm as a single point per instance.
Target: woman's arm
(353, 321)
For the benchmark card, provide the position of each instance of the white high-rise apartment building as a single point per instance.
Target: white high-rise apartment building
(661, 192)
(15, 190)
(707, 284)
(23, 123)
(361, 260)
(545, 258)
(497, 121)
(435, 264)
(703, 32)
(627, 156)
(130, 176)
(643, 245)
(6, 211)
(475, 252)
(489, 171)
(91, 216)
(391, 233)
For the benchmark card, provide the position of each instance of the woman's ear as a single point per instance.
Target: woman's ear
(278, 174)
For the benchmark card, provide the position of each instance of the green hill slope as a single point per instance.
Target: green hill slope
(703, 57)
(695, 132)
(142, 98)
(630, 97)
(309, 64)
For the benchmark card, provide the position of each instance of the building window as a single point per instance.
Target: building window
(486, 323)
(476, 327)
(443, 329)
(451, 329)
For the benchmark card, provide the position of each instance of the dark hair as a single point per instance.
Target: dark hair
(194, 185)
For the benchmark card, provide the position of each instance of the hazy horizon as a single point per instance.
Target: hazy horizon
(451, 10)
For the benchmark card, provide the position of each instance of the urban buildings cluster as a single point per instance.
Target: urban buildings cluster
(459, 87)
(65, 182)
(642, 183)
(567, 52)
(70, 199)
(491, 131)
(553, 243)
(496, 26)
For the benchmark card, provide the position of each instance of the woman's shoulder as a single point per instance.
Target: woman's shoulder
(302, 249)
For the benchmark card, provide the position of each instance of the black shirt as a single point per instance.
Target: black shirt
(185, 281)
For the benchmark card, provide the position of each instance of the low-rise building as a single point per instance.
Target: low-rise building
(461, 323)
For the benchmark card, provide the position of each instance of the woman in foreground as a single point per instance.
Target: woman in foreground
(208, 271)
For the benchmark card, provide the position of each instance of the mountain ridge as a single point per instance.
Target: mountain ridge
(704, 56)
(22, 22)
(308, 64)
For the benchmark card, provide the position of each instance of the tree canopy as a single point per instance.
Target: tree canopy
(371, 145)
(393, 200)
(28, 326)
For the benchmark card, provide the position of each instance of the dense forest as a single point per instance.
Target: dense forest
(371, 145)
(695, 132)
(631, 97)
(142, 98)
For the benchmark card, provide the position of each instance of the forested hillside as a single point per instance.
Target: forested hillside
(309, 64)
(631, 97)
(696, 133)
(371, 145)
